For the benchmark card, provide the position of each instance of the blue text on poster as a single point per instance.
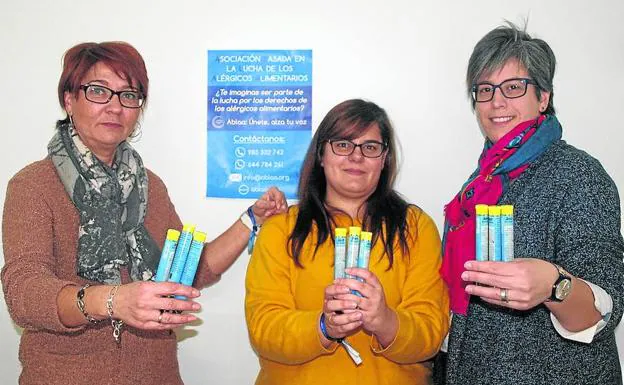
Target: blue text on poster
(259, 120)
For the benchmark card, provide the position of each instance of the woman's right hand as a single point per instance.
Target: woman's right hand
(341, 317)
(151, 305)
(272, 202)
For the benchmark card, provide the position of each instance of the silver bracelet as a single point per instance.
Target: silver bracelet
(116, 324)
(81, 305)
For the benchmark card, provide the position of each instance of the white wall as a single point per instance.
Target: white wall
(409, 57)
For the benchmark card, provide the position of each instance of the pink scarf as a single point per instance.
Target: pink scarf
(485, 186)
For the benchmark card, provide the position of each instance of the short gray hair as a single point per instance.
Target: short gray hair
(510, 42)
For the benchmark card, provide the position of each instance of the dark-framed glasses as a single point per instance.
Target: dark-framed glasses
(99, 94)
(369, 148)
(510, 88)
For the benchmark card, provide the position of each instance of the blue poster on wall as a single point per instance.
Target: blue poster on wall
(259, 121)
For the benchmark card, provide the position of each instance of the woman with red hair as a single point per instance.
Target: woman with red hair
(82, 231)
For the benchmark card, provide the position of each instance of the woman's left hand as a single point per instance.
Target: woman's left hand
(151, 305)
(377, 317)
(520, 284)
(270, 203)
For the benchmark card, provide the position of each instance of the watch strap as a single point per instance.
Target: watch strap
(562, 276)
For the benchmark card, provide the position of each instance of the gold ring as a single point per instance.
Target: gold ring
(329, 319)
(504, 295)
(160, 317)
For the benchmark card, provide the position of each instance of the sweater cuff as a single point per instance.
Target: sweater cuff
(205, 276)
(376, 346)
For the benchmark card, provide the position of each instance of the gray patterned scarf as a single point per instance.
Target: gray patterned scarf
(112, 202)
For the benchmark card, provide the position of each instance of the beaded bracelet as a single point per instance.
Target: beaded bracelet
(81, 304)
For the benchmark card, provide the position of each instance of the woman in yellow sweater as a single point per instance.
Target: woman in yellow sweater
(297, 315)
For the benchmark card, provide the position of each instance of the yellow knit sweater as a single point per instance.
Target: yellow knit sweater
(284, 302)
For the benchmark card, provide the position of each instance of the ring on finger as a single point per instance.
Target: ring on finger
(329, 319)
(504, 295)
(160, 317)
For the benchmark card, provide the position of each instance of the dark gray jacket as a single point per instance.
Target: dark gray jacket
(566, 210)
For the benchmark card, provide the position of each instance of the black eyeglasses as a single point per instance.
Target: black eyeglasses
(510, 88)
(101, 95)
(369, 148)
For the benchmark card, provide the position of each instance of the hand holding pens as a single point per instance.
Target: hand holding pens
(341, 317)
(376, 317)
(179, 261)
(139, 304)
(356, 300)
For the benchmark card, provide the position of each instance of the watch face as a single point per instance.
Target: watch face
(563, 289)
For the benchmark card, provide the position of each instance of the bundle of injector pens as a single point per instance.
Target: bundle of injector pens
(352, 253)
(180, 256)
(494, 233)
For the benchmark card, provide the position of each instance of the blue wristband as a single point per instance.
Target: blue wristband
(324, 330)
(254, 230)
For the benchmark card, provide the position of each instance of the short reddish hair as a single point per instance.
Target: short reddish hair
(120, 56)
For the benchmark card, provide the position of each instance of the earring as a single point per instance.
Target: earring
(71, 128)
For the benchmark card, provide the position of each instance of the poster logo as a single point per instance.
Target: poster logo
(218, 122)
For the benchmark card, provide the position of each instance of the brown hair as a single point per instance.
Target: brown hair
(121, 57)
(385, 210)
